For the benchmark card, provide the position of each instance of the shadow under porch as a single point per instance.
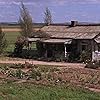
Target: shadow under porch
(56, 51)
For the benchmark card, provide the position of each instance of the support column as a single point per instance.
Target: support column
(65, 50)
(93, 50)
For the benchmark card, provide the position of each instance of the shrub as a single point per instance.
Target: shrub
(15, 66)
(35, 74)
(73, 57)
(59, 57)
(85, 56)
(20, 42)
(16, 73)
(93, 65)
(54, 69)
(11, 73)
(19, 74)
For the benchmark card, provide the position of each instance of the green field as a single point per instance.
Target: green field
(34, 92)
(11, 37)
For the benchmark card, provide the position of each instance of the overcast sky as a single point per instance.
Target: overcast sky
(62, 10)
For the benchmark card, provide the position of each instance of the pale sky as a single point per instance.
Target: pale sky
(62, 10)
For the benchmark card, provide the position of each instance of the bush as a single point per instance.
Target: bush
(19, 73)
(73, 57)
(92, 65)
(16, 73)
(59, 57)
(35, 74)
(19, 46)
(85, 56)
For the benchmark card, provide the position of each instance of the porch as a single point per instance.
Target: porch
(57, 49)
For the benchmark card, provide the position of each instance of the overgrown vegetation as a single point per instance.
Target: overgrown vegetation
(85, 56)
(51, 75)
(20, 42)
(28, 82)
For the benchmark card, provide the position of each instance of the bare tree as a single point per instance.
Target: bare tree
(25, 22)
(48, 16)
(3, 41)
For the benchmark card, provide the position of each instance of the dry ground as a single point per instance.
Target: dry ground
(72, 65)
(73, 73)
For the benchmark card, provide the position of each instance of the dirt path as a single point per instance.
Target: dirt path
(75, 65)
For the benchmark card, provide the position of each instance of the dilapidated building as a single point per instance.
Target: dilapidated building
(69, 39)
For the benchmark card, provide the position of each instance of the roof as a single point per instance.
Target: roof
(77, 32)
(33, 39)
(73, 35)
(65, 41)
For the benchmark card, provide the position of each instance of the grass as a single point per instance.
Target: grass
(10, 48)
(34, 92)
(11, 37)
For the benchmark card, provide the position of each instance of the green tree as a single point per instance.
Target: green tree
(25, 22)
(3, 41)
(26, 25)
(48, 16)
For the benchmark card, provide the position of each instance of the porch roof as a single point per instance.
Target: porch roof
(33, 39)
(65, 41)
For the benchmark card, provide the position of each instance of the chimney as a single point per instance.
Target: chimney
(74, 23)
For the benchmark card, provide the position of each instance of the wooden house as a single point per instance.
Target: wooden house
(66, 40)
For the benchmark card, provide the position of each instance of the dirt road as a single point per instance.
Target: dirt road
(75, 65)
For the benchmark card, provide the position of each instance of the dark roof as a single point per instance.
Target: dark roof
(77, 32)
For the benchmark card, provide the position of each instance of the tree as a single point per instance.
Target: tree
(25, 22)
(3, 41)
(48, 16)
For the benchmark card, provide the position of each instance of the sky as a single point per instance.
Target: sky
(62, 10)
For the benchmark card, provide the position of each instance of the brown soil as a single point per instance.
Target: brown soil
(73, 73)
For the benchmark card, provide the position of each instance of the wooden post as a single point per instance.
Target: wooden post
(93, 49)
(65, 50)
